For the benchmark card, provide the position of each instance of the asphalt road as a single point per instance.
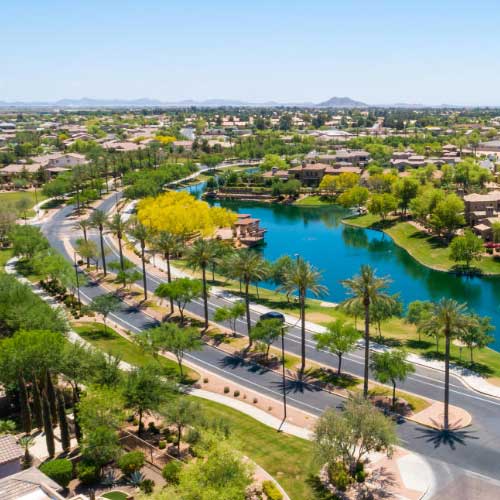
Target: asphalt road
(474, 449)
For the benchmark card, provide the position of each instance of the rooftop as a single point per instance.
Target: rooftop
(9, 449)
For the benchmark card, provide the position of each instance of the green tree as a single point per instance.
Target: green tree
(128, 276)
(449, 319)
(340, 338)
(181, 291)
(366, 289)
(47, 426)
(267, 331)
(231, 314)
(303, 278)
(417, 312)
(405, 190)
(118, 227)
(391, 366)
(105, 305)
(181, 412)
(466, 248)
(447, 215)
(26, 442)
(495, 232)
(63, 422)
(382, 204)
(354, 197)
(477, 335)
(99, 221)
(141, 233)
(27, 241)
(87, 249)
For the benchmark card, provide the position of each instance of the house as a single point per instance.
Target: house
(309, 174)
(67, 160)
(479, 207)
(10, 456)
(489, 146)
(14, 170)
(247, 230)
(31, 484)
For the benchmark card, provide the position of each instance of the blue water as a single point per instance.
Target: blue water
(318, 235)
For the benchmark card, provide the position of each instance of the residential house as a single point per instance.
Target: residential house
(10, 456)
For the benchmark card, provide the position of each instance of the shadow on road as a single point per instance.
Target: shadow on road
(298, 384)
(450, 437)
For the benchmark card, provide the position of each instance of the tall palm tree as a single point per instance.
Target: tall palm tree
(365, 290)
(141, 233)
(202, 254)
(118, 226)
(98, 220)
(247, 266)
(450, 319)
(84, 225)
(168, 244)
(303, 277)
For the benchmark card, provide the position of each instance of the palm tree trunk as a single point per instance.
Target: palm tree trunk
(249, 323)
(393, 396)
(205, 295)
(85, 239)
(169, 280)
(120, 250)
(144, 278)
(340, 364)
(102, 252)
(367, 349)
(446, 381)
(303, 332)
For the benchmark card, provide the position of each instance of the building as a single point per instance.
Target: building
(247, 230)
(311, 174)
(10, 456)
(482, 211)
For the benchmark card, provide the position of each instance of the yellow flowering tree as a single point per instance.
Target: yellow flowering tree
(183, 215)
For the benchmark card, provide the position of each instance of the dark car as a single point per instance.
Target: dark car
(272, 315)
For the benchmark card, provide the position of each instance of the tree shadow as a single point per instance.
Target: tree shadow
(298, 383)
(446, 437)
(418, 344)
(463, 270)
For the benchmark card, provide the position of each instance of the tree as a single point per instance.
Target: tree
(181, 412)
(141, 233)
(450, 319)
(477, 335)
(27, 241)
(200, 256)
(273, 161)
(447, 216)
(495, 232)
(466, 248)
(168, 244)
(181, 291)
(53, 265)
(350, 435)
(354, 197)
(340, 338)
(382, 204)
(247, 266)
(383, 310)
(231, 314)
(144, 391)
(303, 278)
(85, 225)
(26, 442)
(98, 220)
(328, 184)
(87, 249)
(47, 426)
(100, 446)
(104, 305)
(366, 289)
(267, 331)
(391, 366)
(63, 422)
(128, 276)
(118, 227)
(405, 190)
(417, 312)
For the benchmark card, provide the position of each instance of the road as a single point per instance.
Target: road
(475, 449)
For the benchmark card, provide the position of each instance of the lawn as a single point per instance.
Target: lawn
(113, 343)
(115, 495)
(5, 255)
(14, 197)
(314, 201)
(287, 458)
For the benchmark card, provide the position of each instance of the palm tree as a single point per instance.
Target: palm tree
(118, 226)
(26, 442)
(84, 225)
(247, 266)
(168, 244)
(303, 277)
(451, 319)
(98, 220)
(200, 256)
(365, 290)
(141, 233)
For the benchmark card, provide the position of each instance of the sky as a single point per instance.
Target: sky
(376, 51)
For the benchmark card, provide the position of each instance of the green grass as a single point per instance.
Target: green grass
(5, 255)
(115, 495)
(112, 342)
(287, 458)
(427, 249)
(15, 196)
(314, 201)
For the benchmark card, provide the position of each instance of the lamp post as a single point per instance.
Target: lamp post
(283, 374)
(77, 282)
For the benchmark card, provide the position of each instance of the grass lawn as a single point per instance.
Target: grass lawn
(13, 197)
(112, 342)
(287, 458)
(115, 495)
(314, 201)
(5, 255)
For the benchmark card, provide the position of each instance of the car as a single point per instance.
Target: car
(272, 315)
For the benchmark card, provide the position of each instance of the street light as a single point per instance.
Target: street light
(77, 282)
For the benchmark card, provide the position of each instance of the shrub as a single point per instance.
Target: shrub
(152, 428)
(162, 444)
(131, 462)
(59, 470)
(255, 401)
(171, 472)
(226, 389)
(192, 436)
(236, 394)
(339, 476)
(87, 472)
(147, 486)
(360, 476)
(271, 490)
(205, 380)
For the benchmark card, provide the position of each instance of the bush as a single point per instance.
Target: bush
(236, 394)
(360, 476)
(162, 444)
(255, 401)
(152, 428)
(271, 490)
(192, 436)
(59, 470)
(147, 486)
(339, 476)
(171, 472)
(226, 389)
(87, 472)
(131, 462)
(205, 380)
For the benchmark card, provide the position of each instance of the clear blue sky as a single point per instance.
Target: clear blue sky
(378, 51)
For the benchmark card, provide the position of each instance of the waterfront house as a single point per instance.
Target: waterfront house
(247, 230)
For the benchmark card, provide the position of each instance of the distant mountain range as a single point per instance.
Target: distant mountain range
(85, 103)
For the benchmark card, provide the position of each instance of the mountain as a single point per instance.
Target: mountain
(342, 102)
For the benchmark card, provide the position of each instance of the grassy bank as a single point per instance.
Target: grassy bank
(427, 249)
(15, 197)
(287, 458)
(314, 201)
(113, 343)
